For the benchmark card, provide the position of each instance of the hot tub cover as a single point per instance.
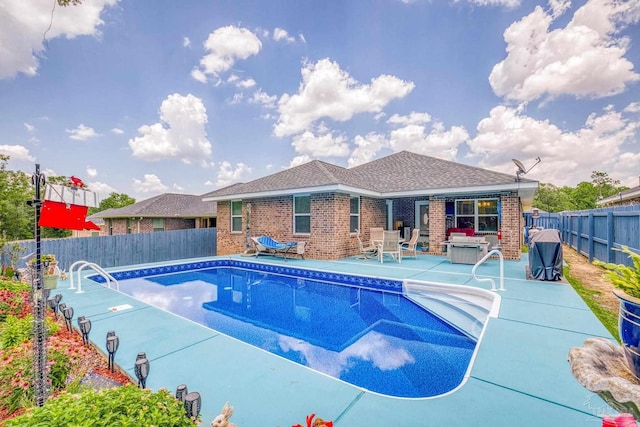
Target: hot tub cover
(545, 255)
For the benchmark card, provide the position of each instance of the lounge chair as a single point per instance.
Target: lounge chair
(410, 248)
(390, 245)
(267, 245)
(367, 251)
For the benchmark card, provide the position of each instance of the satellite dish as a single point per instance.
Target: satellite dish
(521, 169)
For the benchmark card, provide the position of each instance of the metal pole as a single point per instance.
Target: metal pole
(41, 389)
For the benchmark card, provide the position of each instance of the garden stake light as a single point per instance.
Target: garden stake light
(85, 328)
(192, 404)
(68, 315)
(112, 346)
(142, 371)
(181, 392)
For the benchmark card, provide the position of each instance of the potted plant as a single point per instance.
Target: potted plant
(49, 270)
(627, 281)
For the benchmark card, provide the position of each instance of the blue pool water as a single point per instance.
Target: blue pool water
(375, 339)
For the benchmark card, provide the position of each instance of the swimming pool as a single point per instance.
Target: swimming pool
(359, 329)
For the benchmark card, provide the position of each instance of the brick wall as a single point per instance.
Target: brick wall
(437, 225)
(512, 226)
(330, 218)
(145, 225)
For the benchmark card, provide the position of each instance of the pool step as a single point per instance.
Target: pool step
(462, 307)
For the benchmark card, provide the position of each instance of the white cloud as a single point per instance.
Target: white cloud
(23, 25)
(299, 160)
(438, 142)
(30, 128)
(91, 172)
(412, 119)
(184, 136)
(117, 131)
(511, 4)
(584, 59)
(186, 42)
(228, 175)
(17, 152)
(225, 46)
(246, 83)
(101, 188)
(565, 155)
(324, 145)
(282, 35)
(151, 184)
(366, 148)
(261, 97)
(82, 133)
(328, 91)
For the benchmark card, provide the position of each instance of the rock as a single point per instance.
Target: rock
(600, 366)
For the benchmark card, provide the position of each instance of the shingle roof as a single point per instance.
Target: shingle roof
(400, 172)
(164, 205)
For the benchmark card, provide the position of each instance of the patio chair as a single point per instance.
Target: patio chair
(390, 245)
(375, 235)
(410, 248)
(366, 251)
(267, 245)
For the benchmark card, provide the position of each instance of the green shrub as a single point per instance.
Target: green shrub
(622, 276)
(15, 331)
(121, 406)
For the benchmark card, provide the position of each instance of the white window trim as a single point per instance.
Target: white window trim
(351, 214)
(475, 215)
(235, 216)
(304, 214)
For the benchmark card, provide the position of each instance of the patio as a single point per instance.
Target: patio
(520, 375)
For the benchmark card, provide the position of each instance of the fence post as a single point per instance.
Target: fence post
(610, 231)
(591, 248)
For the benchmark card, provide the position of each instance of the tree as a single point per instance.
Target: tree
(114, 201)
(16, 218)
(551, 198)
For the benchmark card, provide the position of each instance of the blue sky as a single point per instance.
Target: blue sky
(146, 98)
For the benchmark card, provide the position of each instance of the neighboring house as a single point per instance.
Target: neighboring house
(323, 204)
(623, 198)
(161, 213)
(90, 233)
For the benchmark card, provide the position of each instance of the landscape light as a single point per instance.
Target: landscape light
(53, 305)
(142, 371)
(181, 392)
(85, 328)
(113, 342)
(192, 404)
(68, 315)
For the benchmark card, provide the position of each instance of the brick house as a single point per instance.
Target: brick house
(161, 213)
(323, 204)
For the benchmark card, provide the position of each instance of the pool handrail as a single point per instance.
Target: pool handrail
(82, 265)
(488, 279)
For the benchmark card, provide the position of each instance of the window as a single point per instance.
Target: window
(354, 219)
(236, 216)
(479, 214)
(158, 224)
(302, 214)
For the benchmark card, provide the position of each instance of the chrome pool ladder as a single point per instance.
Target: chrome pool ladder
(81, 265)
(488, 279)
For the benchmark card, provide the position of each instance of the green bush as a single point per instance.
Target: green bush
(622, 276)
(121, 406)
(15, 331)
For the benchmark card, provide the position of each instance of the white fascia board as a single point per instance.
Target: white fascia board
(619, 197)
(341, 188)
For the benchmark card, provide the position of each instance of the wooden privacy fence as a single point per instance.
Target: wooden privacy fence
(595, 233)
(127, 249)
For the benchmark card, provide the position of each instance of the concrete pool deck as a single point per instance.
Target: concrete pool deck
(520, 376)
